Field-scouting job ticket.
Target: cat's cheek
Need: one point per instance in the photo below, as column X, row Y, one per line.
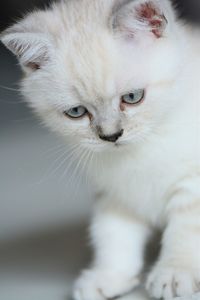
column 68, row 128
column 129, row 114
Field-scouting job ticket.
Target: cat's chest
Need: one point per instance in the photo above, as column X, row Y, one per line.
column 143, row 183
column 140, row 187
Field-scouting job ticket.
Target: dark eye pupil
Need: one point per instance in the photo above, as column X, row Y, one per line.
column 75, row 109
column 131, row 96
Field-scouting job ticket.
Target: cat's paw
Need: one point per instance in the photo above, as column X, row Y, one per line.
column 168, row 282
column 101, row 285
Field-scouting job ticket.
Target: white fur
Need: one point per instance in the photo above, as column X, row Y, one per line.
column 152, row 178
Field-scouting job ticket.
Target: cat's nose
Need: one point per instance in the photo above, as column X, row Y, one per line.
column 113, row 137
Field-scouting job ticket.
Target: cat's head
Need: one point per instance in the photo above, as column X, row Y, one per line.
column 99, row 72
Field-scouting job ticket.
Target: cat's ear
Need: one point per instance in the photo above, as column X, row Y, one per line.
column 132, row 17
column 31, row 48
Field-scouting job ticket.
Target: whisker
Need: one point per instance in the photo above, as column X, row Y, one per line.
column 68, row 157
column 31, row 118
column 53, row 151
column 9, row 88
column 90, row 161
column 80, row 168
column 51, row 170
column 73, row 158
column 77, row 166
column 85, row 163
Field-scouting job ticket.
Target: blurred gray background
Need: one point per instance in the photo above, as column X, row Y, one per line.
column 43, row 241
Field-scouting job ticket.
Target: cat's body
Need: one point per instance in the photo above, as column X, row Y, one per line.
column 87, row 55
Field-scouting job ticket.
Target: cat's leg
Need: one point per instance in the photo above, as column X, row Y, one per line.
column 177, row 272
column 119, row 243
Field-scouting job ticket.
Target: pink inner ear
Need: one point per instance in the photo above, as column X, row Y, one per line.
column 150, row 14
column 147, row 11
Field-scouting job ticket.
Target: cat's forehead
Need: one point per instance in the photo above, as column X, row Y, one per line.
column 99, row 71
column 90, row 68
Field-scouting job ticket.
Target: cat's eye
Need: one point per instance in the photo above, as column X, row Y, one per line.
column 134, row 97
column 76, row 112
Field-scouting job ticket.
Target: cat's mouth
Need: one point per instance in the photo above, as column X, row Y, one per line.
column 105, row 146
column 115, row 146
column 118, row 144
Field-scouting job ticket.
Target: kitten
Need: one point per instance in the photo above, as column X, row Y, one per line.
column 121, row 79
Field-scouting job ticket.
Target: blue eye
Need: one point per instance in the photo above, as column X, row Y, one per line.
column 76, row 112
column 134, row 97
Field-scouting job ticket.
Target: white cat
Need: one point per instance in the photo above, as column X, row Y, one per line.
column 121, row 78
